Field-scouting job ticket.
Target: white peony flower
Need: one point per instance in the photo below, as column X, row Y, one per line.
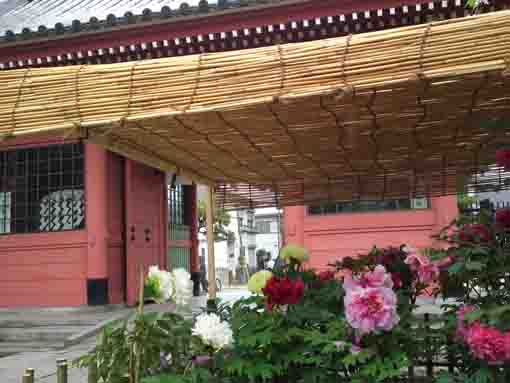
column 213, row 331
column 183, row 286
column 165, row 281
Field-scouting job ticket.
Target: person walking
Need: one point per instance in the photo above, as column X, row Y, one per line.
column 203, row 275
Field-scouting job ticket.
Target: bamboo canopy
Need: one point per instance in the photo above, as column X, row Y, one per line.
column 386, row 114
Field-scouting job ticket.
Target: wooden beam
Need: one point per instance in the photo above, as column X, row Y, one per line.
column 210, row 243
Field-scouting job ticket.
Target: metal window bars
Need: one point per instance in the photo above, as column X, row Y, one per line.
column 42, row 189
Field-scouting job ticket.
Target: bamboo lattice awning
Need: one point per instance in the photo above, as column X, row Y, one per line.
column 387, row 114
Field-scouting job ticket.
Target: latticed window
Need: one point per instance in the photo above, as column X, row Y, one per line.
column 263, row 227
column 369, row 206
column 176, row 208
column 42, row 189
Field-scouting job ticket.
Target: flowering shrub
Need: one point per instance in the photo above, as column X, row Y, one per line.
column 283, row 291
column 163, row 286
column 353, row 323
column 477, row 267
column 503, row 158
column 258, row 281
column 159, row 285
column 213, row 331
column 370, row 303
column 294, row 253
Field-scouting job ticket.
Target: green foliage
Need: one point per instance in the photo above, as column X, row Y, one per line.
column 156, row 336
column 465, row 201
column 220, row 224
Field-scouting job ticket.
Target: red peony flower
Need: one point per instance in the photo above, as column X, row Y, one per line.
column 326, row 275
column 283, row 291
column 503, row 158
column 486, row 343
column 503, row 218
column 397, row 280
column 475, row 233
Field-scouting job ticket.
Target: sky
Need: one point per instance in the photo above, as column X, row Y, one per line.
column 18, row 14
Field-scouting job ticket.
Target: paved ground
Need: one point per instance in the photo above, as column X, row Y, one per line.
column 44, row 362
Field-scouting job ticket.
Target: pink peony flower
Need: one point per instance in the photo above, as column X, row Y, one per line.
column 462, row 326
column 371, row 309
column 503, row 158
column 376, row 278
column 428, row 272
column 503, row 218
column 487, row 343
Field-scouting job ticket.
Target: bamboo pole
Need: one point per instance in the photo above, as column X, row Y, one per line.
column 31, row 373
column 62, row 371
column 211, row 264
column 92, row 373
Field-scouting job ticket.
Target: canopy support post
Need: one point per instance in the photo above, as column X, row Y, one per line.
column 211, row 271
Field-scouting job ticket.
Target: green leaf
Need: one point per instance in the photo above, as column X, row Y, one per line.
column 455, row 268
column 444, row 377
column 474, row 266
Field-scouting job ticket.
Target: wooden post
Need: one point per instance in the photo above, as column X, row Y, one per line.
column 31, row 373
column 210, row 243
column 92, row 377
column 61, row 371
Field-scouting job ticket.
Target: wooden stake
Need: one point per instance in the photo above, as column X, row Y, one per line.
column 62, row 371
column 31, row 373
column 210, row 243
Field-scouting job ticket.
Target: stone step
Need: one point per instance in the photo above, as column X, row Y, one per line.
column 38, row 334
column 49, row 322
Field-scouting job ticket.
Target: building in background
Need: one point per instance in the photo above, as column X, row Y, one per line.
column 335, row 230
column 238, row 250
column 268, row 232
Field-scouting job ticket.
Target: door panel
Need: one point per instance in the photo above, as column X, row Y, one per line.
column 144, row 195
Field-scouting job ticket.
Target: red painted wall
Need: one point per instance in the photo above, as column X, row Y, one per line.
column 46, row 269
column 331, row 237
column 51, row 269
column 43, row 269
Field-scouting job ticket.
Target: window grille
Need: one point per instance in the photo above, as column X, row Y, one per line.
column 176, row 209
column 263, row 227
column 42, row 189
column 369, row 206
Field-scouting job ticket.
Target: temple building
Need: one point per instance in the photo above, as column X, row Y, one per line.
column 78, row 222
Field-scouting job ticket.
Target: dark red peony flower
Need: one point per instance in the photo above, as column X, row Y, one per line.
column 390, row 256
column 283, row 291
column 326, row 275
column 503, row 218
column 475, row 233
column 397, row 280
column 503, row 158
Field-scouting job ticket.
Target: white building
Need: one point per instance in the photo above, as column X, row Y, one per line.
column 268, row 223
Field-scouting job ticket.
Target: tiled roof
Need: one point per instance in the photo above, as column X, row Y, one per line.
column 37, row 18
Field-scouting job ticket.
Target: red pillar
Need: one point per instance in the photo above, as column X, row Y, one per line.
column 96, row 180
column 294, row 225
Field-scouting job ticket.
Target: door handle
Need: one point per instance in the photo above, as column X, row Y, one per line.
column 147, row 232
column 132, row 229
